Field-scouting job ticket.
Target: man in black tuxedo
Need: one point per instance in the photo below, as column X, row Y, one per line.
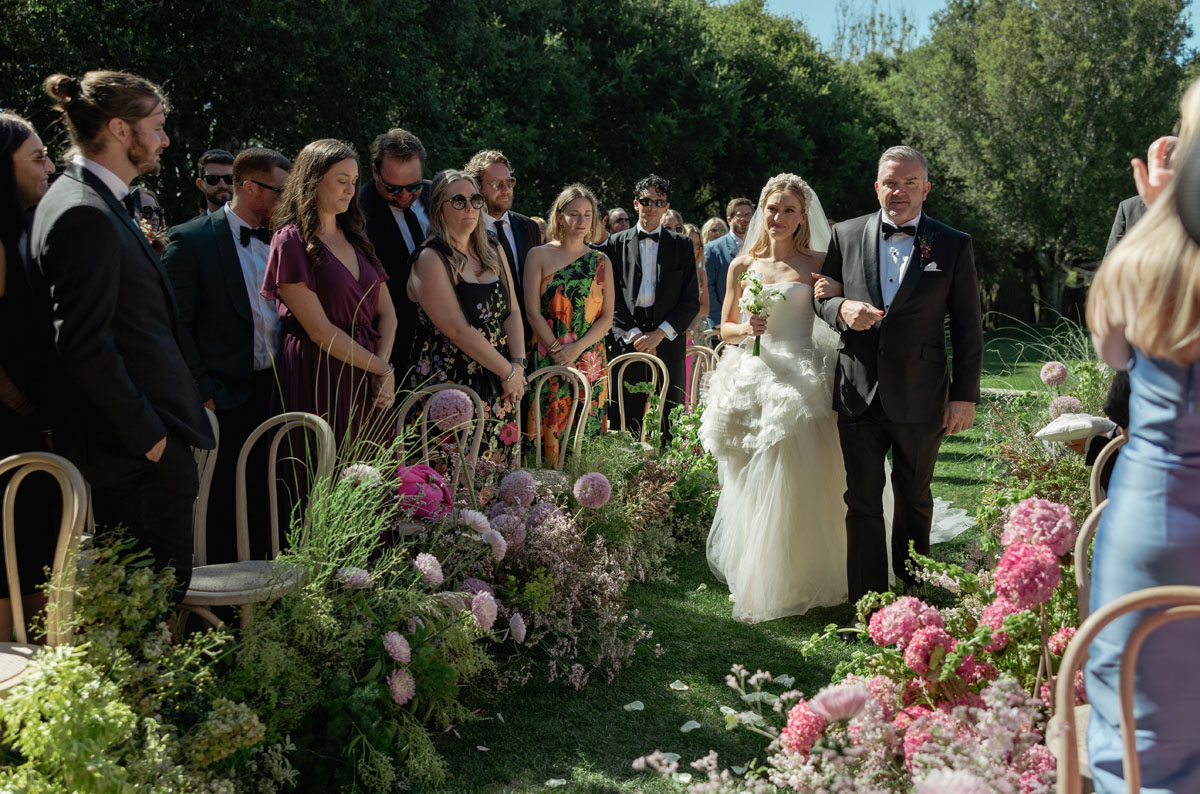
column 129, row 407
column 395, row 201
column 1131, row 210
column 903, row 274
column 215, row 181
column 229, row 331
column 658, row 295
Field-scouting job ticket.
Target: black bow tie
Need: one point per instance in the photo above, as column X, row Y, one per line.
column 133, row 203
column 262, row 232
column 889, row 230
column 648, row 236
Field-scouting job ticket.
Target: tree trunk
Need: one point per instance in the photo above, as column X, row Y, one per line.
column 1052, row 279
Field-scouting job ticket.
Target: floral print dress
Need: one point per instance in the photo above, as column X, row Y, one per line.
column 570, row 304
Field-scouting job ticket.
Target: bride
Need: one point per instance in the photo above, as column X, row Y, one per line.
column 779, row 536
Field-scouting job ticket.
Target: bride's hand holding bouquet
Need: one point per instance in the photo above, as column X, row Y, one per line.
column 757, row 300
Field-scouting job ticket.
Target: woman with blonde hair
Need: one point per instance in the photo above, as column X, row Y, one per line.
column 569, row 299
column 713, row 229
column 1144, row 315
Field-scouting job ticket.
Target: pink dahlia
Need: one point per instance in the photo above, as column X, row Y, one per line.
column 518, row 488
column 477, row 521
column 896, row 623
column 1054, row 373
column 1064, row 404
column 516, row 624
column 450, row 409
column 483, row 608
column 593, row 490
column 1041, row 522
column 497, row 542
column 397, row 647
column 1060, row 639
column 952, row 781
column 839, row 702
column 430, row 568
column 993, row 617
column 804, row 727
column 402, row 685
column 922, row 651
column 1027, row 574
column 350, row 576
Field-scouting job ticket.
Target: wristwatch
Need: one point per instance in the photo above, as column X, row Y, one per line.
column 524, row 364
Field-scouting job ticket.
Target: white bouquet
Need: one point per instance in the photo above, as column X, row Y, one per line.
column 758, row 299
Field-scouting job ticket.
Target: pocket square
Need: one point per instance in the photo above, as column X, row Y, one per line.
column 932, row 267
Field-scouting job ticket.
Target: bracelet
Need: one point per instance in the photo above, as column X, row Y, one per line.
column 511, row 373
column 557, row 346
column 391, row 368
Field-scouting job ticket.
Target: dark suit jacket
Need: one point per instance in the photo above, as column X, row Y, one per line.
column 216, row 325
column 717, row 256
column 904, row 356
column 677, row 294
column 123, row 377
column 527, row 236
column 1129, row 212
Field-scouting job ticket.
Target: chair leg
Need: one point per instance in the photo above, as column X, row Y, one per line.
column 247, row 615
column 204, row 613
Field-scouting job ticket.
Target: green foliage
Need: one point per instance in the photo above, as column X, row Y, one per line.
column 696, row 486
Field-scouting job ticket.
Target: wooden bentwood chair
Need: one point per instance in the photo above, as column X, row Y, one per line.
column 659, row 379
column 575, row 416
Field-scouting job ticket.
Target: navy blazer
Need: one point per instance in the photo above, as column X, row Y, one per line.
column 717, row 256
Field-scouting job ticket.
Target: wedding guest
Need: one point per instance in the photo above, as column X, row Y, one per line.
column 516, row 233
column 699, row 325
column 25, row 169
column 129, row 411
column 1131, row 210
column 602, row 232
column 541, row 224
column 468, row 325
column 673, row 221
column 720, row 252
column 569, row 298
column 395, row 202
column 336, row 317
column 713, row 229
column 654, row 271
column 228, row 331
column 1143, row 311
column 152, row 211
column 618, row 220
column 216, row 179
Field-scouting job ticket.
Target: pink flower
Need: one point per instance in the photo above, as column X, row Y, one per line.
column 473, row 586
column 952, row 781
column 922, row 652
column 882, row 689
column 497, row 542
column 1027, row 574
column 896, row 623
column 402, row 685
column 430, row 568
column 518, row 488
column 1041, row 522
column 1060, row 639
column 516, row 624
column 350, row 576
column 358, row 474
column 1064, row 404
column 483, row 608
column 1054, row 373
column 1038, row 768
column 803, row 729
column 541, row 512
column 993, row 617
column 397, row 647
column 450, row 409
column 474, row 519
column 930, row 728
column 591, row 365
column 1080, row 689
column 508, row 434
column 513, row 530
column 593, row 490
column 839, row 702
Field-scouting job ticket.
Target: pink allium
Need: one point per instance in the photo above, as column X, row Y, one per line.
column 1054, row 373
column 430, row 568
column 993, row 617
column 839, row 702
column 593, row 490
column 450, row 409
column 518, row 488
column 804, row 727
column 896, row 623
column 540, row 512
column 1038, row 768
column 358, row 474
column 473, row 586
column 920, row 653
column 952, row 781
column 402, row 685
column 516, row 624
column 1041, row 522
column 1064, row 404
column 477, row 521
column 350, row 576
column 513, row 530
column 500, row 509
column 1060, row 639
column 497, row 542
column 483, row 608
column 397, row 647
column 1027, row 574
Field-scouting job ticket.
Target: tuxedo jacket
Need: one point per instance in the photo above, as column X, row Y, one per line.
column 1129, row 212
column 216, row 324
column 676, row 295
column 717, row 256
column 527, row 236
column 122, row 379
column 903, row 358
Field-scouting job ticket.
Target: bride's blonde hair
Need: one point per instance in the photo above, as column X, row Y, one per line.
column 1149, row 286
column 782, row 183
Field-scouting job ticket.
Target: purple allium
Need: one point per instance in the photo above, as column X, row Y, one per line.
column 497, row 542
column 500, row 509
column 402, row 685
column 474, row 519
column 357, row 474
column 593, row 490
column 1027, row 574
column 397, row 647
column 516, row 624
column 839, row 702
column 1054, row 373
column 518, row 488
column 473, row 585
column 430, row 568
column 540, row 512
column 450, row 409
column 1065, row 404
column 483, row 607
column 350, row 576
column 1043, row 523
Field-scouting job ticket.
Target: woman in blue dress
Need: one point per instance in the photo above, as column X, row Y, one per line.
column 1144, row 313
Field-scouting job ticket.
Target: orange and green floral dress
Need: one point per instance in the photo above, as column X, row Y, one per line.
column 570, row 304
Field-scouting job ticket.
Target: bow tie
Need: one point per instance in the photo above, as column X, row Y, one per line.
column 648, row 236
column 262, row 232
column 889, row 230
column 133, row 203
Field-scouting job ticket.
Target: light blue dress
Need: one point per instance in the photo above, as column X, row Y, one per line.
column 1150, row 535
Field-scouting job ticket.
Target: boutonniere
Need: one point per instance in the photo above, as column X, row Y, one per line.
column 157, row 239
column 926, row 249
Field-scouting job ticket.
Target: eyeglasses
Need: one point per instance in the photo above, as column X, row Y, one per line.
column 150, row 211
column 646, row 201
column 396, row 190
column 496, row 184
column 676, row 229
column 214, row 179
column 619, row 219
column 742, row 215
column 459, row 201
column 265, row 185
column 38, row 157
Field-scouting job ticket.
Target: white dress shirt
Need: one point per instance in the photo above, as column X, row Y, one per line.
column 113, row 182
column 894, row 256
column 422, row 218
column 508, row 232
column 253, row 259
column 648, row 256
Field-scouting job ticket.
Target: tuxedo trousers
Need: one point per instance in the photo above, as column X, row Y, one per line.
column 866, row 441
column 637, row 372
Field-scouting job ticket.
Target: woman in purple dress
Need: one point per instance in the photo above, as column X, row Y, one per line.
column 338, row 322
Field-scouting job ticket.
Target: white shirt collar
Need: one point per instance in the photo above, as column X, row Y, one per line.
column 915, row 222
column 113, row 182
column 235, row 220
column 736, row 239
column 641, row 228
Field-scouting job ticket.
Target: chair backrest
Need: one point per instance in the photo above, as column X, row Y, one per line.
column 659, row 378
column 577, row 413
column 1175, row 602
column 70, row 528
column 1083, row 563
column 468, row 436
column 206, row 462
column 711, row 338
column 320, row 469
column 1101, row 461
column 703, row 360
column 721, row 348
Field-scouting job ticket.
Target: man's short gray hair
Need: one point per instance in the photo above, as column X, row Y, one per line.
column 903, row 153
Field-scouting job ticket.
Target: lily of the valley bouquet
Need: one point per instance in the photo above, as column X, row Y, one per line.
column 758, row 299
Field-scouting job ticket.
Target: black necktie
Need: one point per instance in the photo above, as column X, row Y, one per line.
column 648, row 236
column 503, row 239
column 414, row 226
column 133, row 203
column 261, row 232
column 889, row 230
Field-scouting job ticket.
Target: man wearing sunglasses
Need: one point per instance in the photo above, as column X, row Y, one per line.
column 395, row 202
column 216, row 179
column 658, row 295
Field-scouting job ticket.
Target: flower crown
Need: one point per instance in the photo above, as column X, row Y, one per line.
column 779, row 180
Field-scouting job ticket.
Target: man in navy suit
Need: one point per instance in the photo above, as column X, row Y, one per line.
column 720, row 252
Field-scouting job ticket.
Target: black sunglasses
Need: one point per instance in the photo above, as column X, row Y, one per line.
column 646, row 201
column 151, row 211
column 459, row 201
column 213, row 179
column 264, row 184
column 396, row 190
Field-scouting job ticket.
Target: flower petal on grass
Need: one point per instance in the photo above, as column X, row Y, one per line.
column 670, row 758
column 683, row 777
column 482, row 749
column 636, row 705
column 727, row 710
column 785, row 680
column 678, row 685
column 555, row 782
column 702, row 587
column 689, row 726
column 738, row 770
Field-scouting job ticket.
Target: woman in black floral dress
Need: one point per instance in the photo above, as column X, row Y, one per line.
column 469, row 323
